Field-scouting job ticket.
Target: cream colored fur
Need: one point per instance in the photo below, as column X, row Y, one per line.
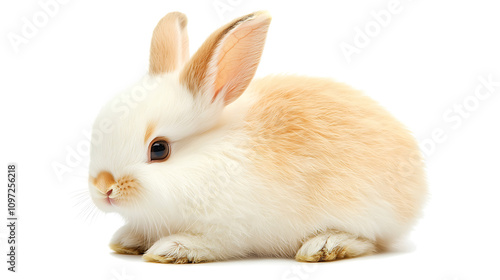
column 295, row 166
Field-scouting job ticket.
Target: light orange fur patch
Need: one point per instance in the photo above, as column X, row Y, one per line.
column 332, row 146
column 149, row 131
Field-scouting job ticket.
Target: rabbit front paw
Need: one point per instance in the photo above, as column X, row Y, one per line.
column 180, row 248
column 128, row 242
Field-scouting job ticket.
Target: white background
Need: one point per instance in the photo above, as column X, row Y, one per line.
column 426, row 62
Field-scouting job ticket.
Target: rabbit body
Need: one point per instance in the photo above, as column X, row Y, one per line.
column 295, row 166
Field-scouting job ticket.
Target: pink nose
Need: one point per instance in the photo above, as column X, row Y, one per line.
column 109, row 192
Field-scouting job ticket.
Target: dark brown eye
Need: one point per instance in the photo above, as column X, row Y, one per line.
column 159, row 150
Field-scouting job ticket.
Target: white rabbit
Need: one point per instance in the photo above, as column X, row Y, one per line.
column 206, row 164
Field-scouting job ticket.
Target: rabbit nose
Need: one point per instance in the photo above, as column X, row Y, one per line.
column 104, row 181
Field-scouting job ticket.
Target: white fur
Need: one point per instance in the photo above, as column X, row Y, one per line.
column 207, row 202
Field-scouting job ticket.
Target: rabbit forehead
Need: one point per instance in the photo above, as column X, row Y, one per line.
column 155, row 106
column 167, row 106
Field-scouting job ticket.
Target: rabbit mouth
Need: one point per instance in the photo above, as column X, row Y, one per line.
column 110, row 201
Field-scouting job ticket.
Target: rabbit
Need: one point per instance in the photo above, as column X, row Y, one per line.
column 205, row 163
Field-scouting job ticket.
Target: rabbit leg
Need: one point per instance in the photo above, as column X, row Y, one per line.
column 333, row 245
column 127, row 241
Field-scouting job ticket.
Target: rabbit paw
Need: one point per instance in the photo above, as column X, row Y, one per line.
column 179, row 249
column 127, row 242
column 334, row 245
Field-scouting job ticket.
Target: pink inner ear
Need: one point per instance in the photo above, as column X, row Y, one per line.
column 238, row 59
column 231, row 54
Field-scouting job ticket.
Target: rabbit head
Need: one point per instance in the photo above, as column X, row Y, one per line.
column 147, row 140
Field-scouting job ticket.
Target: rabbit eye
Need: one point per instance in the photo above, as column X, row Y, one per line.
column 159, row 150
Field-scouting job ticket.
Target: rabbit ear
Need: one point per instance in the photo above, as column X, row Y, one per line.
column 226, row 63
column 170, row 44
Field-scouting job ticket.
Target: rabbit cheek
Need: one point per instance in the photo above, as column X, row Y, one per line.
column 124, row 191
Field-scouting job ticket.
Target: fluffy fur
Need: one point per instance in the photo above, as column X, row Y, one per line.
column 296, row 166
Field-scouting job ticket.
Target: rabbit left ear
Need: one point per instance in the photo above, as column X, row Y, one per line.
column 169, row 45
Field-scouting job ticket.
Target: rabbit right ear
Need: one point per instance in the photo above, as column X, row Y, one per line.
column 169, row 45
column 225, row 64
